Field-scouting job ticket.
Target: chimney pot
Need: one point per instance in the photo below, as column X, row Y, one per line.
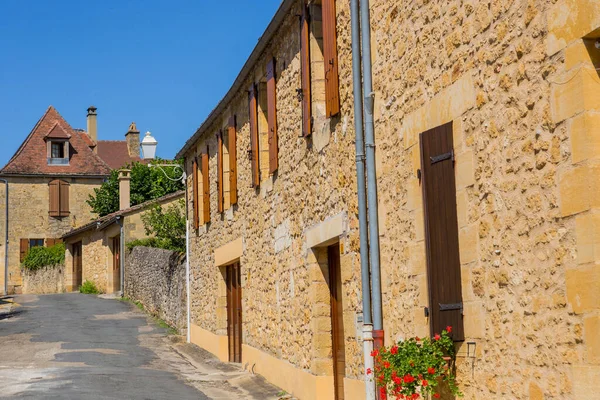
column 133, row 141
column 124, row 189
column 92, row 125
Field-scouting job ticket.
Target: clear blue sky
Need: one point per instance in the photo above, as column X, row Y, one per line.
column 162, row 64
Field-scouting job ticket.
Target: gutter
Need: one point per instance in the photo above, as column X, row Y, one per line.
column 6, row 239
column 187, row 264
column 277, row 20
column 121, row 253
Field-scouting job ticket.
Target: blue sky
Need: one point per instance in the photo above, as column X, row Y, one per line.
column 162, row 64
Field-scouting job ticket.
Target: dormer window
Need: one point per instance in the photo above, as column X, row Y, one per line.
column 58, row 146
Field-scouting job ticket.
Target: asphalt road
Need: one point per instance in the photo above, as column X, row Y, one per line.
column 74, row 346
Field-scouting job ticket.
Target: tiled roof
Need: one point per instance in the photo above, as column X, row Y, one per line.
column 57, row 133
column 115, row 153
column 31, row 157
column 103, row 222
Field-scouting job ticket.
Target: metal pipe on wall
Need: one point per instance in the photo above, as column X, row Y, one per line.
column 122, row 253
column 187, row 256
column 369, row 99
column 6, row 239
column 362, row 201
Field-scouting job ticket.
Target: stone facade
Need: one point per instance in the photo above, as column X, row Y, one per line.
column 46, row 280
column 29, row 218
column 519, row 82
column 156, row 278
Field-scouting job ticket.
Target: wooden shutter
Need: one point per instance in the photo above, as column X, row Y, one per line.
column 195, row 192
column 305, row 72
column 54, row 188
column 50, row 242
column 64, row 198
column 272, row 116
column 23, row 248
column 220, row 197
column 254, row 161
column 441, row 231
column 205, row 188
column 332, row 93
column 232, row 161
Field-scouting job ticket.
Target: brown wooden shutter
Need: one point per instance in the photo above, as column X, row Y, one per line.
column 332, row 92
column 205, row 188
column 195, row 192
column 64, row 198
column 54, row 188
column 50, row 242
column 441, row 231
column 305, row 72
column 220, row 197
column 254, row 161
column 232, row 161
column 272, row 116
column 23, row 249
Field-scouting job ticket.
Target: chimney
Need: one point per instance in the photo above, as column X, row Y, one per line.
column 92, row 125
column 133, row 140
column 124, row 189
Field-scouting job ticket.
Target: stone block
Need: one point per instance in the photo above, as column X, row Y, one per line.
column 322, row 367
column 321, row 324
column 579, row 92
column 468, row 239
column 583, row 288
column 581, row 52
column 419, row 224
column 421, row 322
column 579, row 188
column 322, row 345
column 319, row 292
column 591, row 328
column 588, row 237
column 570, row 20
column 465, row 169
column 462, row 208
column 423, row 290
column 417, row 262
column 535, row 392
column 585, row 382
column 585, row 136
column 474, row 319
column 414, row 194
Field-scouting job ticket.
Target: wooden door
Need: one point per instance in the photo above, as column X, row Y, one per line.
column 77, row 265
column 441, row 231
column 116, row 242
column 337, row 320
column 234, row 312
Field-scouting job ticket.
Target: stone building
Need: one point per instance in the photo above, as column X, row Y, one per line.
column 50, row 178
column 503, row 97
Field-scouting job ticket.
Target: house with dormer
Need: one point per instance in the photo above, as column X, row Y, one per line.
column 50, row 179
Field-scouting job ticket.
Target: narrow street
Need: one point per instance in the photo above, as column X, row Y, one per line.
column 73, row 346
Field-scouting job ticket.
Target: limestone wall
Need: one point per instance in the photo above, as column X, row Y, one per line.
column 29, row 219
column 156, row 278
column 46, row 280
column 520, row 86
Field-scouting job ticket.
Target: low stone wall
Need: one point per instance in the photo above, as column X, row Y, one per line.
column 156, row 278
column 46, row 280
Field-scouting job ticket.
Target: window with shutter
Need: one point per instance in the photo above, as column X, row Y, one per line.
column 220, row 197
column 305, row 72
column 205, row 189
column 59, row 199
column 441, row 231
column 272, row 116
column 23, row 249
column 195, row 193
column 232, row 160
column 332, row 97
column 253, row 112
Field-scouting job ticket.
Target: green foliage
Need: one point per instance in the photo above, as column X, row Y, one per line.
column 146, row 184
column 38, row 257
column 415, row 367
column 89, row 287
column 167, row 226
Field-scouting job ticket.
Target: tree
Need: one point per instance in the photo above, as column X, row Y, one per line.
column 146, row 184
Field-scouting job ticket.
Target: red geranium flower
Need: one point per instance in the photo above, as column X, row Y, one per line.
column 369, row 371
column 408, row 378
column 394, row 350
column 424, row 382
column 431, row 370
column 382, row 393
column 437, row 337
column 448, row 329
column 397, row 380
column 386, row 364
column 417, row 338
column 374, row 353
column 436, row 395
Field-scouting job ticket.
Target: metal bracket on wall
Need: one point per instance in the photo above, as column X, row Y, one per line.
column 442, row 157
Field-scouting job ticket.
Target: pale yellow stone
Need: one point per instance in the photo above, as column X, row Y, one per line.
column 583, row 288
column 585, row 382
column 465, row 169
column 585, row 136
column 588, row 237
column 570, row 20
column 581, row 52
column 577, row 90
column 579, row 188
column 591, row 327
column 474, row 319
column 468, row 239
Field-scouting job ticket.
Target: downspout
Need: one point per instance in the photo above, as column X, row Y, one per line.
column 365, row 24
column 187, row 259
column 122, row 253
column 362, row 203
column 6, row 239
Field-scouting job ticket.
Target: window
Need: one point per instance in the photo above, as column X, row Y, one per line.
column 272, row 116
column 26, row 244
column 36, row 243
column 254, row 154
column 195, row 184
column 58, row 152
column 205, row 188
column 220, row 188
column 59, row 199
column 231, row 139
